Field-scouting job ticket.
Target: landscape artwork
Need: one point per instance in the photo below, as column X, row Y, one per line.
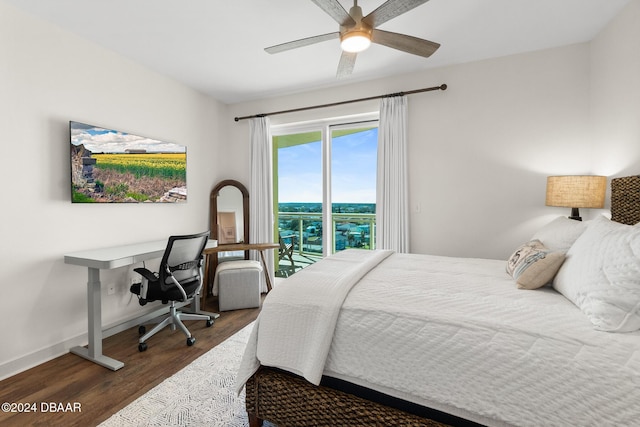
column 110, row 166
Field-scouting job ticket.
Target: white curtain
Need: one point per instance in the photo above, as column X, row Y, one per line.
column 260, row 192
column 392, row 215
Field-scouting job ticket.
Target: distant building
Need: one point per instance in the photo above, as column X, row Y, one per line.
column 135, row 151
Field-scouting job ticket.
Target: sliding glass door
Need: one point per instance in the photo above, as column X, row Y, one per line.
column 324, row 191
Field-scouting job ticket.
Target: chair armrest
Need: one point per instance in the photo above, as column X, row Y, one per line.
column 147, row 274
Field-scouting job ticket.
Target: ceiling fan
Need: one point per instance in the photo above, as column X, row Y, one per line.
column 358, row 32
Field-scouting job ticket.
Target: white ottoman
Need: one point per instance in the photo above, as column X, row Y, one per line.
column 238, row 284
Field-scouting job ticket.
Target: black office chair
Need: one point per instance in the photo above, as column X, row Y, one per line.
column 179, row 279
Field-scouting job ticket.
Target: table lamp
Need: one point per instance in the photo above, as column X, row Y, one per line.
column 576, row 191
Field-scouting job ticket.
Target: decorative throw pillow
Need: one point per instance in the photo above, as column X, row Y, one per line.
column 601, row 275
column 533, row 265
column 561, row 233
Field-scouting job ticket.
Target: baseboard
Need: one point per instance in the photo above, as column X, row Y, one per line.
column 38, row 357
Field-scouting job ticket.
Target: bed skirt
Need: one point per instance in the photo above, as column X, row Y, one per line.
column 288, row 400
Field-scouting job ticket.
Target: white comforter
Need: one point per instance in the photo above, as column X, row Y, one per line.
column 457, row 335
column 297, row 320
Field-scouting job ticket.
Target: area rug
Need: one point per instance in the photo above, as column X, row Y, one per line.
column 201, row 394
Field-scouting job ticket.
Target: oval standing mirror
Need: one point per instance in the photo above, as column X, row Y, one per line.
column 229, row 213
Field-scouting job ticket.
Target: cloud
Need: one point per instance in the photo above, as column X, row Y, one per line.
column 100, row 140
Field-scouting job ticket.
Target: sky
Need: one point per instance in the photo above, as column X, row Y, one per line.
column 100, row 140
column 353, row 167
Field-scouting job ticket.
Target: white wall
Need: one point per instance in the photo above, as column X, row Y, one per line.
column 615, row 94
column 481, row 150
column 48, row 77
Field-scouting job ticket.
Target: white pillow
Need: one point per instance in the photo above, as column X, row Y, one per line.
column 601, row 275
column 559, row 234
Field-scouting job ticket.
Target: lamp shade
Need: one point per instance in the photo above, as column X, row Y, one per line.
column 576, row 191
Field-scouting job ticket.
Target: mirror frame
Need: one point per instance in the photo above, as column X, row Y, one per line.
column 213, row 208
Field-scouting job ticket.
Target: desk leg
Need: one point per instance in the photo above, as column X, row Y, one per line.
column 266, row 270
column 204, row 292
column 93, row 352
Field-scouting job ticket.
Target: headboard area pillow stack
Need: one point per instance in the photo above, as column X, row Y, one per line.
column 600, row 267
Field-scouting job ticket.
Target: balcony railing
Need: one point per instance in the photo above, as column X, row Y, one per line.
column 349, row 230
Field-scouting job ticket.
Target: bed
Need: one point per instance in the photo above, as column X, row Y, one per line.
column 550, row 337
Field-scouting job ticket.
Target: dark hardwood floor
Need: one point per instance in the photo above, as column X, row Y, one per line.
column 98, row 392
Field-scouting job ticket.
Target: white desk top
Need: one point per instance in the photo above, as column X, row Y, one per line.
column 120, row 256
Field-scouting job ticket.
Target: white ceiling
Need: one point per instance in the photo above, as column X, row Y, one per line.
column 216, row 46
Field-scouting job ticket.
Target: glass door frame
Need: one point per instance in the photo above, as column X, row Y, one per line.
column 324, row 126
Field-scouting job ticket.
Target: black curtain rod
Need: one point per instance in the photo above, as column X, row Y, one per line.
column 333, row 104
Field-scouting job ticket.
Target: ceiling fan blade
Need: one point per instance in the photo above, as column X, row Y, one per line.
column 389, row 10
column 302, row 42
column 404, row 43
column 345, row 66
column 334, row 9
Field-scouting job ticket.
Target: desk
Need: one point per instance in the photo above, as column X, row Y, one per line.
column 107, row 259
column 260, row 247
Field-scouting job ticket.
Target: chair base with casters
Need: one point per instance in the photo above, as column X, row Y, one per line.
column 173, row 319
column 238, row 284
column 179, row 280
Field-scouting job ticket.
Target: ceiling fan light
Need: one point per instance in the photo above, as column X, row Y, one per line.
column 355, row 41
